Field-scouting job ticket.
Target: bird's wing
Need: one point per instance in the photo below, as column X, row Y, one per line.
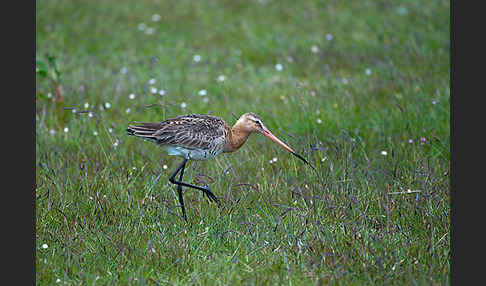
column 192, row 131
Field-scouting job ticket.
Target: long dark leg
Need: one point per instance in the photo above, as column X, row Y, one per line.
column 179, row 191
column 180, row 184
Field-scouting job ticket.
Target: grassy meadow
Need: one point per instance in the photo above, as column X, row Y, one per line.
column 359, row 88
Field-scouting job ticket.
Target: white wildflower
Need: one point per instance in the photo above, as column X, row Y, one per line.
column 142, row 26
column 155, row 17
column 149, row 31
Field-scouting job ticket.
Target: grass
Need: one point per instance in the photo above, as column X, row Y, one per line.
column 379, row 78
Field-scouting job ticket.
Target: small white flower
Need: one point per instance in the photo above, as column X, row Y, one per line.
column 278, row 67
column 329, row 37
column 66, row 130
column 110, row 130
column 274, row 159
column 196, row 58
column 49, row 95
column 90, row 114
column 131, row 96
column 314, row 49
column 86, row 105
column 368, row 71
column 319, row 121
column 313, row 93
column 202, row 92
column 95, row 133
column 402, row 10
column 162, row 92
column 149, row 31
column 410, row 141
column 52, row 132
column 142, row 26
column 345, row 81
column 107, row 105
column 45, row 246
column 221, row 78
column 384, row 153
column 114, row 145
column 434, row 102
column 127, row 110
column 155, row 17
column 58, row 280
column 183, row 105
column 152, row 81
column 153, row 90
column 74, row 110
column 164, row 167
column 205, row 99
column 123, row 70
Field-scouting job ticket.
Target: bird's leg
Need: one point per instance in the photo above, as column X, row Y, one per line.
column 179, row 183
column 179, row 191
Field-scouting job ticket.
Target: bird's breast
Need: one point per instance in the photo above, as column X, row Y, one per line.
column 195, row 154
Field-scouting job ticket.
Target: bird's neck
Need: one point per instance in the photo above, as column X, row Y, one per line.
column 237, row 137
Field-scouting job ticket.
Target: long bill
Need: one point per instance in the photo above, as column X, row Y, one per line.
column 269, row 134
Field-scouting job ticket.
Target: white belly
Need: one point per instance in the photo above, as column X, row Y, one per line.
column 189, row 154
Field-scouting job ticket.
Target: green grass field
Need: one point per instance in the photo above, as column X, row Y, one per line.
column 359, row 88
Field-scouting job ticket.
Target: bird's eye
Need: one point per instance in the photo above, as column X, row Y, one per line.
column 259, row 123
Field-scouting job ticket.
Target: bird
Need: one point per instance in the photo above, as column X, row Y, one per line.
column 201, row 137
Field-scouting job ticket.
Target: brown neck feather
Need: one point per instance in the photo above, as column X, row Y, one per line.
column 237, row 136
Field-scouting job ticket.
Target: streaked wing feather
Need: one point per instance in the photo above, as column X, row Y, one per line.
column 192, row 131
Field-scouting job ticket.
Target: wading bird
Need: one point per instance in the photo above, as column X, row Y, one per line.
column 201, row 137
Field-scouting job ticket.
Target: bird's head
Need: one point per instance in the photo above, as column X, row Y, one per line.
column 251, row 122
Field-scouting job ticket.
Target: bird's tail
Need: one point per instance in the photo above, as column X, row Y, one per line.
column 144, row 130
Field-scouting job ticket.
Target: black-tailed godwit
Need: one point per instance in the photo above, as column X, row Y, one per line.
column 201, row 137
